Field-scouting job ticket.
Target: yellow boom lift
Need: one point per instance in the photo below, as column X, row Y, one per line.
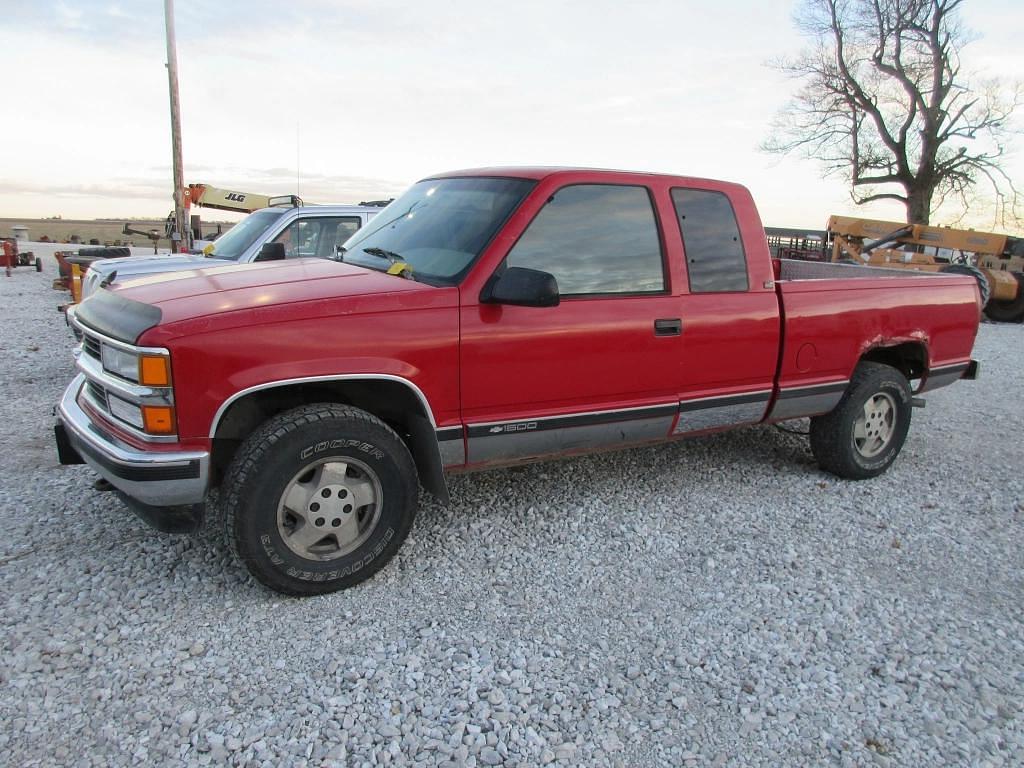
column 996, row 261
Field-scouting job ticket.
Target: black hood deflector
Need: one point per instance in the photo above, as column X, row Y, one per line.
column 117, row 317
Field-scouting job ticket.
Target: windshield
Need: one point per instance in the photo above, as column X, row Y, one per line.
column 236, row 240
column 438, row 227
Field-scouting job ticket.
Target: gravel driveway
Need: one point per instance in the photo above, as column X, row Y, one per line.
column 715, row 602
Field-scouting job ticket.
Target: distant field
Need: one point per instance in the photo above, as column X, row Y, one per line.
column 107, row 231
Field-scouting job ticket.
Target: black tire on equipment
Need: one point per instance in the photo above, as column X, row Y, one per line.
column 966, row 269
column 260, row 474
column 832, row 435
column 39, row 264
column 1011, row 311
column 111, row 252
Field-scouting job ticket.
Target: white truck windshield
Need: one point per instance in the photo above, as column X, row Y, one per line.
column 236, row 240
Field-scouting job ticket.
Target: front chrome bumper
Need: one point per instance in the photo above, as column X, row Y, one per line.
column 154, row 478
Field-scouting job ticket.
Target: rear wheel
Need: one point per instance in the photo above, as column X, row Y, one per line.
column 862, row 436
column 319, row 499
column 1010, row 311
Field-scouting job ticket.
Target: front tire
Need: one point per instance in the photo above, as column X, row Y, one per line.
column 862, row 436
column 319, row 499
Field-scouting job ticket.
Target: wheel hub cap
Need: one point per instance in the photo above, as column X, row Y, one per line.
column 874, row 428
column 329, row 508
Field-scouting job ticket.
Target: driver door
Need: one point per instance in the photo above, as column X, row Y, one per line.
column 602, row 367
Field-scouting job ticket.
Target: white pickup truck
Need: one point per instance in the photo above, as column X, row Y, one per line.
column 311, row 230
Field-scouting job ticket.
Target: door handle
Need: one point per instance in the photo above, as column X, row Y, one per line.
column 668, row 327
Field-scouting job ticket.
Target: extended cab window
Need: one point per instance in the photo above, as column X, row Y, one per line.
column 595, row 238
column 715, row 259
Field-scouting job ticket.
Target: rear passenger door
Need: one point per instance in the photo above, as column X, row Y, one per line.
column 731, row 329
column 602, row 367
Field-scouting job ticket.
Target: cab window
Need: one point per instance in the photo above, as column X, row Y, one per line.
column 715, row 261
column 595, row 239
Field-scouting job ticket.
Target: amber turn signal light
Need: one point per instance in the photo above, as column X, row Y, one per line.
column 158, row 419
column 154, row 371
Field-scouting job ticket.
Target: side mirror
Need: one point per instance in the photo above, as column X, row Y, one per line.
column 524, row 288
column 271, row 252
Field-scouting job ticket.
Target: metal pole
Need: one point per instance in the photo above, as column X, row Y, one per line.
column 179, row 178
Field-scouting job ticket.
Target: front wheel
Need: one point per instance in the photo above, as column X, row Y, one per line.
column 319, row 499
column 865, row 432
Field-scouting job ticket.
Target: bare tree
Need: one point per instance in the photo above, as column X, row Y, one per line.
column 883, row 102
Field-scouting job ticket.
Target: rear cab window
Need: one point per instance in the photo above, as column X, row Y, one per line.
column 715, row 259
column 596, row 239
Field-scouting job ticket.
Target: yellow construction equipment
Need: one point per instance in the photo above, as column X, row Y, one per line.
column 996, row 261
column 206, row 196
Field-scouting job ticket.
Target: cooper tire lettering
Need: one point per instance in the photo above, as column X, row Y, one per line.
column 372, row 450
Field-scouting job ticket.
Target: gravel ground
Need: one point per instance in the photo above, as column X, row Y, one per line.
column 715, row 602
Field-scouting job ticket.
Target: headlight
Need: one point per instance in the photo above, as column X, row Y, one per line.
column 150, row 370
column 121, row 363
column 122, row 409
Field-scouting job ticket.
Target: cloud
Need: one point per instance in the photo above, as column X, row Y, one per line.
column 320, row 188
column 388, row 91
column 70, row 18
column 134, row 189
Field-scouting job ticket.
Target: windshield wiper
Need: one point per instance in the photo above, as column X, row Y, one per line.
column 398, row 264
column 394, row 258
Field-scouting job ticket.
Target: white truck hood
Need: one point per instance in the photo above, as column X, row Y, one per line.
column 138, row 266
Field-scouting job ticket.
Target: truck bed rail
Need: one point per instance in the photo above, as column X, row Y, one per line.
column 792, row 269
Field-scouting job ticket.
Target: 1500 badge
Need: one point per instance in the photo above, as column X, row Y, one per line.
column 521, row 426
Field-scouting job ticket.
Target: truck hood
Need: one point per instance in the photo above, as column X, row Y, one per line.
column 135, row 266
column 195, row 293
column 157, row 262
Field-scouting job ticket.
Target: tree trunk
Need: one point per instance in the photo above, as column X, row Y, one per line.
column 919, row 205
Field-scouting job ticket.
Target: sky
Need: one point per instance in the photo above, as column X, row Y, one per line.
column 348, row 100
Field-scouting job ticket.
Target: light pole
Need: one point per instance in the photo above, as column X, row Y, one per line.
column 180, row 228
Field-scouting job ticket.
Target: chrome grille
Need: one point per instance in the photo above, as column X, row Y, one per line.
column 91, row 346
column 98, row 394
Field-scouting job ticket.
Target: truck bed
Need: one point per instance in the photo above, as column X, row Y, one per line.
column 833, row 314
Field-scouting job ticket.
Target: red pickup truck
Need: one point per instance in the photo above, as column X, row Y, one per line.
column 484, row 318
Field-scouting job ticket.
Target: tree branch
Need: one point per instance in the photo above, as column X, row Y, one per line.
column 879, row 196
column 883, row 102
